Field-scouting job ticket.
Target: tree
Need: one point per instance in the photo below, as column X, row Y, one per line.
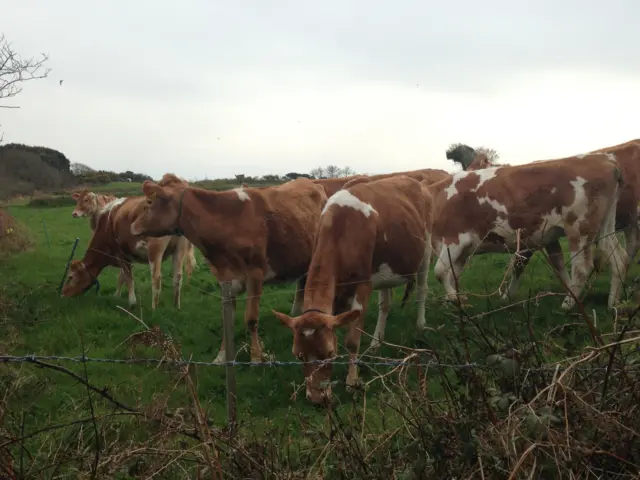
column 15, row 70
column 347, row 172
column 81, row 169
column 332, row 171
column 317, row 172
column 464, row 154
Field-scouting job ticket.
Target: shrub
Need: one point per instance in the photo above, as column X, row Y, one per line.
column 52, row 201
column 14, row 236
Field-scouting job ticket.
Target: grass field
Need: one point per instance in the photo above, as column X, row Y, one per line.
column 37, row 320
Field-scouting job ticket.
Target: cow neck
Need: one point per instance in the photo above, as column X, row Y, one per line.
column 320, row 287
column 100, row 252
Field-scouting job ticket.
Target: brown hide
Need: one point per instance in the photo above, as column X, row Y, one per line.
column 363, row 227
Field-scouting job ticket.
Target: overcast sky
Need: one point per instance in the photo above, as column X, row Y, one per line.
column 213, row 88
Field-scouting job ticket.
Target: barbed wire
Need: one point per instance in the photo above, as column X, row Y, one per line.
column 33, row 358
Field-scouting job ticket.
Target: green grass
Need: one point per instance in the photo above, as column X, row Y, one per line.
column 47, row 324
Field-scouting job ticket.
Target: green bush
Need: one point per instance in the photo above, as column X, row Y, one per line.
column 52, row 201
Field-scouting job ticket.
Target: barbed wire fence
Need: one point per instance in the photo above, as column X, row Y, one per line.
column 414, row 358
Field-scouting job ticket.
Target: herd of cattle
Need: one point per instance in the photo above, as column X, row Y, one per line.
column 342, row 238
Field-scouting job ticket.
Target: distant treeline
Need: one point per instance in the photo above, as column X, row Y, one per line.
column 30, row 171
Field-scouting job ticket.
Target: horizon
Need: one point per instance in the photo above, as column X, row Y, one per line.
column 216, row 90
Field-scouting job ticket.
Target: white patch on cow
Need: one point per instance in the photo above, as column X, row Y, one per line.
column 355, row 304
column 497, row 206
column 451, row 189
column 386, row 278
column 112, row 204
column 611, row 157
column 142, row 247
column 307, row 332
column 553, row 190
column 580, row 202
column 269, row 274
column 242, row 195
column 485, row 175
column 344, row 198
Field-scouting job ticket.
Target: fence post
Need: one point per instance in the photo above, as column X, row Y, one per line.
column 64, row 275
column 228, row 323
column 46, row 235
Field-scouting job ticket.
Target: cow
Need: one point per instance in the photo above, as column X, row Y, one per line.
column 113, row 245
column 530, row 206
column 371, row 235
column 89, row 204
column 249, row 236
column 628, row 157
column 430, row 175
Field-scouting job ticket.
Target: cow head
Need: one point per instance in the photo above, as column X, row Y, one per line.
column 86, row 204
column 314, row 339
column 160, row 214
column 78, row 281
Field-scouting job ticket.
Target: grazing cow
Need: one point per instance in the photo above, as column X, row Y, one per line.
column 500, row 208
column 89, row 204
column 249, row 236
column 371, row 236
column 113, row 245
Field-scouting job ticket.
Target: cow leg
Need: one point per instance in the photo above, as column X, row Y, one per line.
column 521, row 261
column 155, row 266
column 447, row 271
column 296, row 308
column 127, row 272
column 252, row 310
column 422, row 277
column 352, row 338
column 119, row 283
column 632, row 241
column 609, row 245
column 179, row 256
column 384, row 301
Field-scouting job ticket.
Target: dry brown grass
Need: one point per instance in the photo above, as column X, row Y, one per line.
column 14, row 236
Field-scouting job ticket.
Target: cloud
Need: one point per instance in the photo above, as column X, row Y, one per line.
column 215, row 89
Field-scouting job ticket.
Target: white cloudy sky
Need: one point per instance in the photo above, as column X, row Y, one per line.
column 212, row 88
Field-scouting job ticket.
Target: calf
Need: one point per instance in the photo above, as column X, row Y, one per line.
column 483, row 211
column 371, row 236
column 249, row 236
column 113, row 245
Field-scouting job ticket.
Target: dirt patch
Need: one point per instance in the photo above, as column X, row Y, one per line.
column 14, row 236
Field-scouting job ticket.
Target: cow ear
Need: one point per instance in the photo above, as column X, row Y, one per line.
column 286, row 320
column 75, row 195
column 151, row 190
column 345, row 318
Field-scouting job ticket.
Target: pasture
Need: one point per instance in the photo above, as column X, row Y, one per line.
column 36, row 320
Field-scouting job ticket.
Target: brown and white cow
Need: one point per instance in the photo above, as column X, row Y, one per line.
column 628, row 157
column 249, row 236
column 372, row 235
column 483, row 211
column 113, row 245
column 89, row 204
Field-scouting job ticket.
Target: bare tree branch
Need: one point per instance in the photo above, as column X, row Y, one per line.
column 14, row 70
